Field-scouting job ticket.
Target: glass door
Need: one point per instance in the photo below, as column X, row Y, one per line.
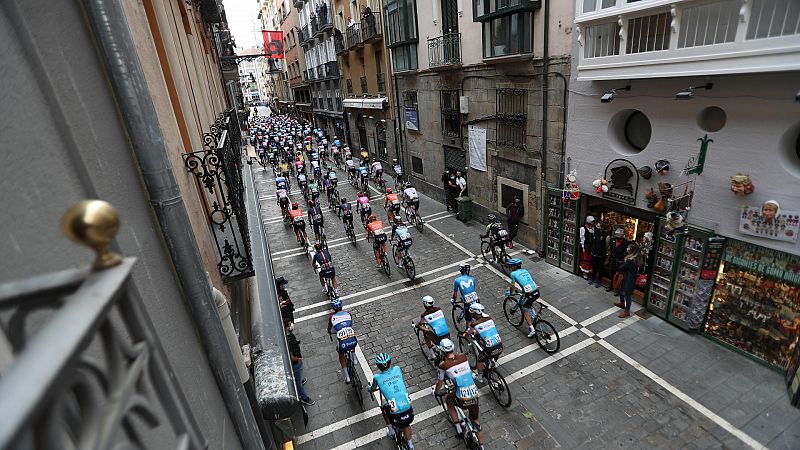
column 663, row 271
column 552, row 254
column 569, row 228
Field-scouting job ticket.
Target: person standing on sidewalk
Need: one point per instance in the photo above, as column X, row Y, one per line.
column 619, row 248
column 454, row 190
column 461, row 182
column 297, row 362
column 629, row 268
column 598, row 250
column 586, row 236
column 446, row 188
column 514, row 213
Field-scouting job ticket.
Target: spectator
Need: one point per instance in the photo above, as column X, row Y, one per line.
column 619, row 248
column 598, row 250
column 461, row 182
column 286, row 304
column 514, row 214
column 629, row 268
column 454, row 190
column 446, row 188
column 297, row 361
column 587, row 239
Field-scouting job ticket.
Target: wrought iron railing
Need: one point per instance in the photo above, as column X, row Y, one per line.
column 371, row 26
column 381, row 83
column 338, row 42
column 354, row 35
column 363, row 85
column 308, row 35
column 332, row 69
column 94, row 375
column 218, row 171
column 349, row 84
column 444, row 50
column 511, row 117
column 322, row 20
column 301, row 35
column 314, row 25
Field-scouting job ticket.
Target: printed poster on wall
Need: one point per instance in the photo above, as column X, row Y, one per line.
column 477, row 148
column 769, row 223
column 412, row 119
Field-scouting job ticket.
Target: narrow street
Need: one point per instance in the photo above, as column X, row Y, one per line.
column 615, row 383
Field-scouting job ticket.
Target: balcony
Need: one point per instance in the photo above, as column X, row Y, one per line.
column 354, row 36
column 332, row 70
column 445, row 51
column 381, row 84
column 308, row 36
column 371, row 27
column 339, row 42
column 330, row 104
column 301, row 35
column 298, row 3
column 683, row 38
column 349, row 87
column 364, row 85
column 321, row 22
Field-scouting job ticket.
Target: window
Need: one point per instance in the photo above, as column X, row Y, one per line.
column 771, row 18
column 511, row 117
column 401, row 22
column 416, row 165
column 404, row 58
column 601, row 40
column 380, row 140
column 708, row 24
column 591, row 5
column 508, row 35
column 648, row 33
column 451, row 119
column 484, row 10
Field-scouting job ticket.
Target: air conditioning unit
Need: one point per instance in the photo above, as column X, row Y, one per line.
column 463, row 104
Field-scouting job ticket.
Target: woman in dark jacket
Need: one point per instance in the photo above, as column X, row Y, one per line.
column 628, row 269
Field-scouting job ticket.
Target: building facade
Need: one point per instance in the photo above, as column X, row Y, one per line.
column 499, row 70
column 253, row 75
column 687, row 113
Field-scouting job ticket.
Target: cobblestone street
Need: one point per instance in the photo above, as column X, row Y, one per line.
column 632, row 383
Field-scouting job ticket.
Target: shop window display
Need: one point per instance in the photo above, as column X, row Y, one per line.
column 756, row 303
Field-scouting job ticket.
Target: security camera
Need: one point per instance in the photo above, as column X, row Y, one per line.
column 608, row 96
column 684, row 95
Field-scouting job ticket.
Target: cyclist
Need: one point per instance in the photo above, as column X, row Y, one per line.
column 391, row 204
column 299, row 165
column 346, row 210
column 284, row 169
column 316, row 219
column 522, row 281
column 363, row 172
column 397, row 411
column 337, row 142
column 347, row 152
column 363, row 206
column 350, row 166
column 410, row 196
column 324, row 262
column 403, row 238
column 465, row 285
column 342, row 322
column 455, row 366
column 280, row 182
column 313, row 188
column 333, row 177
column 298, row 222
column 484, row 329
column 375, row 231
column 377, row 170
column 398, row 171
column 328, row 185
column 302, row 181
column 499, row 235
column 363, row 154
column 316, row 170
column 283, row 200
column 432, row 323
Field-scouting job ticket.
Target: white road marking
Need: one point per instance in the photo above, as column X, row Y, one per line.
column 362, row 361
column 452, row 242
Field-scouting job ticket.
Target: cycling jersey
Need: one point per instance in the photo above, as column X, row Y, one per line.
column 363, row 171
column 458, row 370
column 333, row 177
column 347, row 209
column 301, row 179
column 376, row 167
column 324, row 261
column 435, row 318
column 375, row 229
column 487, row 331
column 465, row 285
column 403, row 236
column 280, row 182
column 282, row 195
column 397, row 169
column 350, row 164
column 327, row 184
column 411, row 194
column 297, row 217
column 363, row 202
column 393, row 387
column 391, row 199
column 337, row 142
column 342, row 323
column 315, row 164
column 524, row 280
column 315, row 215
column 314, row 188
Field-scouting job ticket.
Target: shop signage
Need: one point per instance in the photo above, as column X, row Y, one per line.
column 765, row 261
column 623, row 181
column 412, row 119
column 769, row 223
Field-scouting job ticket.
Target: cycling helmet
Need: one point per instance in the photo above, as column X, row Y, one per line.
column 295, row 205
column 464, row 269
column 394, row 160
column 318, row 246
column 398, row 219
column 383, row 361
column 344, row 200
column 407, row 184
column 374, row 159
column 427, row 301
column 372, row 218
column 476, row 309
column 336, row 304
column 388, row 190
column 311, row 203
column 447, row 345
column 514, row 263
column 491, row 218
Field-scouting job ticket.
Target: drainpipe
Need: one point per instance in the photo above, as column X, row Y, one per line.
column 121, row 62
column 545, row 104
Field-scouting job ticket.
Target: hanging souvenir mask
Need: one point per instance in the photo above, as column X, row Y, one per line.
column 674, row 221
column 741, row 184
column 651, row 197
column 600, row 185
column 769, row 210
column 645, row 172
column 662, row 167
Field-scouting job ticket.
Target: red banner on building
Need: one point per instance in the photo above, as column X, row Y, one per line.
column 273, row 44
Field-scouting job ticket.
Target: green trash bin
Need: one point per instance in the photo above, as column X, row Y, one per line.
column 464, row 208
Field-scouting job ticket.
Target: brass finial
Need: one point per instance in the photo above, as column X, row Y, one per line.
column 93, row 223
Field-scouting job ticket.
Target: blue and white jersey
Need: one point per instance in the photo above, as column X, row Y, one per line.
column 524, row 279
column 333, row 177
column 437, row 322
column 363, row 171
column 342, row 324
column 301, row 178
column 280, row 182
column 393, row 388
column 487, row 332
column 465, row 284
column 458, row 370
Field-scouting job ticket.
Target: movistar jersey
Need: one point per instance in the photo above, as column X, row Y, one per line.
column 465, row 284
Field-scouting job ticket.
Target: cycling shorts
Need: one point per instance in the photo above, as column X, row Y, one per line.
column 378, row 173
column 283, row 201
column 379, row 239
column 346, row 345
column 404, row 244
column 399, row 420
column 414, row 203
column 529, row 300
column 493, row 352
column 471, row 406
column 393, row 207
column 299, row 224
column 347, row 215
column 327, row 273
column 317, row 227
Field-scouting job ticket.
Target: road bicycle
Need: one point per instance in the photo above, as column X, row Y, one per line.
column 399, row 436
column 495, row 253
column 402, row 258
column 470, row 431
column 349, row 231
column 383, row 259
column 352, row 178
column 364, row 185
column 432, row 354
column 473, row 349
column 287, row 219
column 381, row 183
column 334, row 200
column 350, row 358
column 413, row 218
column 545, row 333
column 323, row 239
column 458, row 311
column 304, row 242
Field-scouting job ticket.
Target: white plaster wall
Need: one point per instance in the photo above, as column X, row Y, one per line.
column 760, row 111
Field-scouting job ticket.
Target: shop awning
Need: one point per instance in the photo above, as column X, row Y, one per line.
column 365, row 103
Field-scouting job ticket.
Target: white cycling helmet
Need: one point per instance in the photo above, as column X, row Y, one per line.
column 447, row 345
column 427, row 301
column 476, row 309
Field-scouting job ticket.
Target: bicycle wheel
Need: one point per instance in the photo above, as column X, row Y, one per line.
column 513, row 311
column 423, row 347
column 355, row 381
column 467, row 349
column 499, row 387
column 418, row 221
column 411, row 270
column 547, row 336
column 385, row 264
column 394, row 254
column 458, row 317
column 352, row 235
column 486, row 250
column 409, row 215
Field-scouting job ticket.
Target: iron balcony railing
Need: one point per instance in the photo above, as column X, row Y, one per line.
column 332, row 69
column 314, row 25
column 354, row 35
column 94, row 374
column 444, row 50
column 371, row 26
column 308, row 35
column 363, row 85
column 381, row 83
column 301, row 35
column 338, row 42
column 218, row 169
column 322, row 21
column 349, row 83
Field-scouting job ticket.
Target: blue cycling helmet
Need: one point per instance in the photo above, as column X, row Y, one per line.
column 336, row 304
column 514, row 262
column 383, row 361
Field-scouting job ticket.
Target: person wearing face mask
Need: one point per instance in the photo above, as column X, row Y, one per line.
column 629, row 269
column 297, row 361
column 618, row 248
column 598, row 250
column 514, row 214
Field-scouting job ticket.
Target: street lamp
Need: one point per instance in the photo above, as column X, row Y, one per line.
column 689, row 93
column 612, row 94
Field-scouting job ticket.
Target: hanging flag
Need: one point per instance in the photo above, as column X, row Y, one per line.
column 273, row 44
